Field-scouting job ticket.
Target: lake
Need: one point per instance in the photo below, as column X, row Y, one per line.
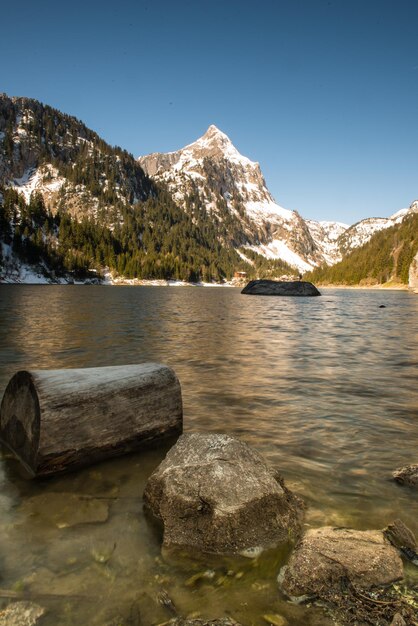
column 325, row 388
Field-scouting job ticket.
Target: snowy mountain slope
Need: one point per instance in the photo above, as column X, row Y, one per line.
column 212, row 175
column 199, row 213
column 360, row 233
column 327, row 237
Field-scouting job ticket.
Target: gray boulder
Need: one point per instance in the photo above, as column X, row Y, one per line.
column 327, row 556
column 280, row 288
column 215, row 494
column 407, row 475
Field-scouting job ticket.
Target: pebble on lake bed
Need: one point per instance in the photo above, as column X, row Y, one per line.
column 21, row 614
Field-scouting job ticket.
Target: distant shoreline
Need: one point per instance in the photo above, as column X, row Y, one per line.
column 397, row 287
column 136, row 282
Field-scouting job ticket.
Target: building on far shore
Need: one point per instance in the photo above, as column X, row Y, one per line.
column 240, row 274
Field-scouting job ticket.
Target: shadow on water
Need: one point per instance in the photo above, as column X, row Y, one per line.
column 324, row 388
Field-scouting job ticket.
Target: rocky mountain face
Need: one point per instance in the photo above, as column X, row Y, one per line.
column 45, row 150
column 212, row 174
column 200, row 213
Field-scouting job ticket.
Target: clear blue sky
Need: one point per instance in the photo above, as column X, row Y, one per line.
column 324, row 94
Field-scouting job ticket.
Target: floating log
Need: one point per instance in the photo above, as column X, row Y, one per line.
column 59, row 420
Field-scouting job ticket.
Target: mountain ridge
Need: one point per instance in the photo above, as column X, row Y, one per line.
column 264, row 226
column 202, row 212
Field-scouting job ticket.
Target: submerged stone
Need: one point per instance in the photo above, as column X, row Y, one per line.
column 21, row 614
column 66, row 509
column 327, row 556
column 407, row 475
column 400, row 535
column 214, row 493
column 223, row 621
column 280, row 288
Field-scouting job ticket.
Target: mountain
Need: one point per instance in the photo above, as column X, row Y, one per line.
column 73, row 206
column 44, row 149
column 360, row 233
column 386, row 256
column 211, row 174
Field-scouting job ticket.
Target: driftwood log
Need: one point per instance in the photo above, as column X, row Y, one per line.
column 56, row 420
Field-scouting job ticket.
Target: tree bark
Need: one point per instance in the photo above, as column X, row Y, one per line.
column 57, row 420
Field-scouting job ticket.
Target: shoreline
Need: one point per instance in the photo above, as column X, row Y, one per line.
column 108, row 281
column 384, row 287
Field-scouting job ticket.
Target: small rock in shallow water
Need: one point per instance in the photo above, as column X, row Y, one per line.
column 407, row 475
column 327, row 556
column 21, row 614
column 400, row 535
column 275, row 620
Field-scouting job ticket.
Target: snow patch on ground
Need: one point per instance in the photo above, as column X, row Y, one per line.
column 244, row 258
column 268, row 210
column 278, row 249
column 45, row 179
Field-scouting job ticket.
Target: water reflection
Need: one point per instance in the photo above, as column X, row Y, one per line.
column 325, row 388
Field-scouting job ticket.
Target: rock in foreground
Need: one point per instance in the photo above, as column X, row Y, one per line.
column 325, row 557
column 407, row 475
column 215, row 494
column 280, row 288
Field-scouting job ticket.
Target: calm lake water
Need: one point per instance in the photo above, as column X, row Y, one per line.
column 325, row 388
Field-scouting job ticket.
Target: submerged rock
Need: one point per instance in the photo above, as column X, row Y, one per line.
column 21, row 614
column 66, row 509
column 215, row 494
column 400, row 535
column 223, row 621
column 326, row 557
column 280, row 288
column 407, row 475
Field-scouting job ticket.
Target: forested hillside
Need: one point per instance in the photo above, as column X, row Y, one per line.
column 154, row 241
column 386, row 257
column 70, row 203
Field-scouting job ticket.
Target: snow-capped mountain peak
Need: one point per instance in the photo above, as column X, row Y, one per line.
column 212, row 175
column 215, row 143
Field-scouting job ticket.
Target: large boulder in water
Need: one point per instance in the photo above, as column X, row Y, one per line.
column 280, row 288
column 326, row 557
column 215, row 494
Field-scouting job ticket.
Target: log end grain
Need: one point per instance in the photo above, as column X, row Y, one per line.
column 60, row 420
column 20, row 418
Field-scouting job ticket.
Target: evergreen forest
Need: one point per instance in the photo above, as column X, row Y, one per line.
column 385, row 258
